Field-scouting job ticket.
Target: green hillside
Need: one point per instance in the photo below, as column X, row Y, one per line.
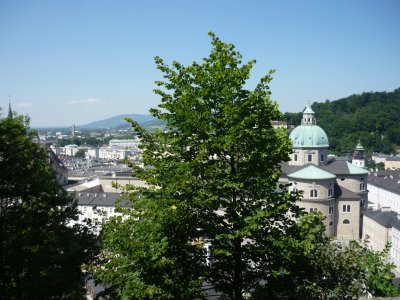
column 373, row 117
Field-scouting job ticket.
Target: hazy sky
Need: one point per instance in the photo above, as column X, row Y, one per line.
column 69, row 62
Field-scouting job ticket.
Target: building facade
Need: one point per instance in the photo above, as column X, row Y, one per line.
column 337, row 189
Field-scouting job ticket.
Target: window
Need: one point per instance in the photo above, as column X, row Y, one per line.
column 345, row 221
column 309, row 157
column 295, row 157
column 330, row 192
column 342, row 179
column 346, row 208
column 313, row 194
column 330, row 223
column 330, row 210
column 362, row 186
column 313, row 209
column 322, row 157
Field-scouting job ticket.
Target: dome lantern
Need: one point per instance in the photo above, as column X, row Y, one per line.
column 308, row 116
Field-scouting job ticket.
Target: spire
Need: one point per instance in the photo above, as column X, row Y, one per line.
column 10, row 115
column 359, row 147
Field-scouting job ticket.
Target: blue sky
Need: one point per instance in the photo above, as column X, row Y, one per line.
column 75, row 61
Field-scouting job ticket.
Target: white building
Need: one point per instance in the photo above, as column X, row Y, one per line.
column 97, row 206
column 381, row 227
column 70, row 150
column 384, row 189
column 113, row 153
column 124, row 143
column 92, row 153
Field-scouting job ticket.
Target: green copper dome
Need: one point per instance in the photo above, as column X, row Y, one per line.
column 309, row 135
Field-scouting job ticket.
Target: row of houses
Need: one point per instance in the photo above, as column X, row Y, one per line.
column 116, row 150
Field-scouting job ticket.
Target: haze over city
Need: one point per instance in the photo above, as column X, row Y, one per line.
column 74, row 62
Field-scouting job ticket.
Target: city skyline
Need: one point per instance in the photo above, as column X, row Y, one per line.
column 74, row 62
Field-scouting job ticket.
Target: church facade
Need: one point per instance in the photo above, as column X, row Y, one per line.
column 337, row 188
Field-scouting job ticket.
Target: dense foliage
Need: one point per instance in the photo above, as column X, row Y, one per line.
column 40, row 256
column 371, row 117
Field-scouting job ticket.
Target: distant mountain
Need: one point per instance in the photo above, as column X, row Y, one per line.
column 119, row 121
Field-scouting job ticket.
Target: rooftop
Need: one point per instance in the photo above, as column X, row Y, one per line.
column 386, row 179
column 311, row 172
column 99, row 199
column 387, row 219
column 337, row 167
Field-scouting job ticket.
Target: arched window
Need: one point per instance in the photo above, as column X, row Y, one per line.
column 330, row 192
column 322, row 157
column 295, row 157
column 362, row 186
column 346, row 221
column 330, row 223
column 309, row 157
column 313, row 194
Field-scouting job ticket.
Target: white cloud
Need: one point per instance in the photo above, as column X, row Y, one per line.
column 23, row 105
column 89, row 101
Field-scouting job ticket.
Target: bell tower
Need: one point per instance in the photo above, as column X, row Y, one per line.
column 358, row 156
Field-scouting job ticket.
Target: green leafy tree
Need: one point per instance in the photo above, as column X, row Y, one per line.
column 216, row 169
column 349, row 272
column 315, row 267
column 40, row 255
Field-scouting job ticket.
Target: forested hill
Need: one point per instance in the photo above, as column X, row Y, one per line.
column 373, row 117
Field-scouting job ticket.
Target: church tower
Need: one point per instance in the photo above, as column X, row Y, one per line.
column 358, row 156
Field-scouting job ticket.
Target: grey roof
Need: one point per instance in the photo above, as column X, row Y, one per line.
column 340, row 167
column 387, row 179
column 388, row 219
column 394, row 158
column 99, row 199
column 345, row 194
column 337, row 167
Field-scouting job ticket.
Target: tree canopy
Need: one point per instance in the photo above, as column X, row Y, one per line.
column 41, row 256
